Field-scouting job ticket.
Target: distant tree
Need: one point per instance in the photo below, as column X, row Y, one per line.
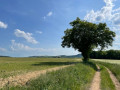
column 85, row 36
column 109, row 54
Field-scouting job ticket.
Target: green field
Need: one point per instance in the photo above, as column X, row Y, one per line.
column 14, row 66
column 108, row 61
column 114, row 68
column 106, row 82
column 76, row 77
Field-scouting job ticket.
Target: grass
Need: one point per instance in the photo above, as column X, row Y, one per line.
column 114, row 68
column 112, row 61
column 106, row 82
column 76, row 77
column 14, row 66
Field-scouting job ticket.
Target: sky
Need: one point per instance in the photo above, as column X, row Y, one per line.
column 35, row 27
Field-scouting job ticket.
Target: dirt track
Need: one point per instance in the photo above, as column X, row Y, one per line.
column 114, row 79
column 95, row 85
column 24, row 78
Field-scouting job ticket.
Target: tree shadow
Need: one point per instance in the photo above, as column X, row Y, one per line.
column 91, row 64
column 54, row 63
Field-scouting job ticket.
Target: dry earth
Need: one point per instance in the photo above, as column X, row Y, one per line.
column 95, row 85
column 114, row 79
column 96, row 80
column 24, row 78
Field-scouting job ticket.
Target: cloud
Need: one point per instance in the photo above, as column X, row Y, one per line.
column 44, row 17
column 109, row 14
column 27, row 36
column 21, row 47
column 106, row 13
column 40, row 32
column 117, row 21
column 3, row 49
column 18, row 46
column 115, row 28
column 3, row 25
column 117, row 38
column 49, row 14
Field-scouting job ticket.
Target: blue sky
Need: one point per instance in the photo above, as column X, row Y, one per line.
column 35, row 27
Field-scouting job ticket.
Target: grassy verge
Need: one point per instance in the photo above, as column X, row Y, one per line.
column 16, row 66
column 76, row 77
column 114, row 68
column 106, row 82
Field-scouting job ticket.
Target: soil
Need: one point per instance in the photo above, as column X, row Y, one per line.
column 96, row 80
column 114, row 79
column 24, row 78
column 95, row 85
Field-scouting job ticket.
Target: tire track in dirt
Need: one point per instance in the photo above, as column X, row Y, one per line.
column 114, row 79
column 24, row 78
column 95, row 85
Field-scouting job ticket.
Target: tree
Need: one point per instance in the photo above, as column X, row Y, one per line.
column 109, row 54
column 85, row 36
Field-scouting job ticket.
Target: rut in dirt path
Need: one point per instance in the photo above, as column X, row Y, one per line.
column 114, row 79
column 96, row 80
column 24, row 78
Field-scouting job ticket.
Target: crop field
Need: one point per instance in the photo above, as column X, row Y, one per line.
column 108, row 61
column 76, row 77
column 58, row 74
column 14, row 66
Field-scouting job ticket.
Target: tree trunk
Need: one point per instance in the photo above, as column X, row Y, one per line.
column 85, row 56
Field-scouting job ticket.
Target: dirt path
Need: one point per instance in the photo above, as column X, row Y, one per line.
column 114, row 79
column 24, row 78
column 96, row 81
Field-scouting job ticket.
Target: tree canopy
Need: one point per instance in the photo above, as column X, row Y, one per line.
column 85, row 36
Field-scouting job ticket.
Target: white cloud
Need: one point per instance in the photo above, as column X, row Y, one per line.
column 117, row 38
column 18, row 46
column 117, row 44
column 114, row 28
column 101, row 15
column 106, row 13
column 27, row 36
column 117, row 21
column 40, row 32
column 93, row 16
column 3, row 25
column 110, row 15
column 116, row 10
column 21, row 47
column 49, row 14
column 3, row 49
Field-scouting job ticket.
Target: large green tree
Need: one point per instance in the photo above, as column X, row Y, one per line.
column 85, row 36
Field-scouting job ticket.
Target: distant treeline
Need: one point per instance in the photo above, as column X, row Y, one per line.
column 110, row 54
column 61, row 56
column 4, row 56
